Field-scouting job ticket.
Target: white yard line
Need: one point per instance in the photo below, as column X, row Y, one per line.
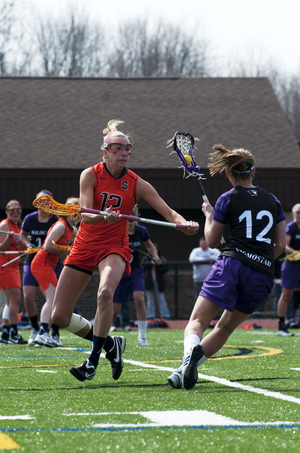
column 225, row 382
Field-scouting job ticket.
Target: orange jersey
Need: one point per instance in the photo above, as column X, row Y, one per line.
column 104, row 238
column 43, row 258
column 13, row 246
column 120, row 194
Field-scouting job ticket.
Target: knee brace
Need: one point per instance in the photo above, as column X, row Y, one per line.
column 77, row 323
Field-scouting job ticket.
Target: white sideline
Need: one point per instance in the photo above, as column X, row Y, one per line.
column 222, row 381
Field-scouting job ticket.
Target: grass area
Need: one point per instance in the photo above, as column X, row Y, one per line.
column 247, row 398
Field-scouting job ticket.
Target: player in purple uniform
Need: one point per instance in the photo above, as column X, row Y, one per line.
column 290, row 271
column 134, row 283
column 242, row 276
column 36, row 225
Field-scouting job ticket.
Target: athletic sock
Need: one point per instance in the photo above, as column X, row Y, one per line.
column 89, row 336
column 44, row 328
column 34, row 322
column 98, row 343
column 189, row 341
column 5, row 332
column 55, row 329
column 13, row 330
column 281, row 322
column 142, row 325
column 109, row 344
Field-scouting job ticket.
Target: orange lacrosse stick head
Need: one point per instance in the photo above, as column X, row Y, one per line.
column 47, row 204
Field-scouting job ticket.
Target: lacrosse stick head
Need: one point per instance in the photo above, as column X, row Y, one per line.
column 47, row 204
column 183, row 144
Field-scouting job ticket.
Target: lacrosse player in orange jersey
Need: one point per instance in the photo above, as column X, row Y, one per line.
column 10, row 279
column 43, row 268
column 102, row 241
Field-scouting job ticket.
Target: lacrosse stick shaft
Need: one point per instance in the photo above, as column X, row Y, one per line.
column 6, row 232
column 142, row 253
column 11, row 252
column 12, row 261
column 138, row 219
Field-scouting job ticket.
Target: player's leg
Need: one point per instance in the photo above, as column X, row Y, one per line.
column 141, row 314
column 43, row 338
column 111, row 270
column 286, row 295
column 70, row 285
column 13, row 296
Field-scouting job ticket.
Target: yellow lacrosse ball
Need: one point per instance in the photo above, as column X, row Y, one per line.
column 188, row 159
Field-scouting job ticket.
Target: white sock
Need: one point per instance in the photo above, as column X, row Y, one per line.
column 190, row 340
column 142, row 325
column 202, row 360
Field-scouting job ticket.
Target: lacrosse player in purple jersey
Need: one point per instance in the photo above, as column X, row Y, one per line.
column 290, row 271
column 242, row 276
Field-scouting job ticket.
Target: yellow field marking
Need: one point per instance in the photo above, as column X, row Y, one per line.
column 269, row 351
column 6, row 443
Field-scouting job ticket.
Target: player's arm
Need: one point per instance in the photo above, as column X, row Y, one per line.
column 213, row 231
column 5, row 239
column 152, row 251
column 288, row 239
column 148, row 193
column 280, row 239
column 55, row 234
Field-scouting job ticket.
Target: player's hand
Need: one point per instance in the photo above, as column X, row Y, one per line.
column 207, row 208
column 192, row 228
column 113, row 216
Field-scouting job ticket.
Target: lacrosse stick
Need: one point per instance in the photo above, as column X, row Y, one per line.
column 7, row 232
column 28, row 251
column 142, row 253
column 183, row 144
column 65, row 248
column 47, row 204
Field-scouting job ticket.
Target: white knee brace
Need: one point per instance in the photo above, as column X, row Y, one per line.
column 77, row 323
column 5, row 312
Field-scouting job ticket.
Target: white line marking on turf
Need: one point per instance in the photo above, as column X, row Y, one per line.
column 222, row 381
column 45, row 371
column 176, row 418
column 16, row 417
column 297, row 369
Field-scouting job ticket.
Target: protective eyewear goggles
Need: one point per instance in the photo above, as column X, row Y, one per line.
column 14, row 210
column 116, row 147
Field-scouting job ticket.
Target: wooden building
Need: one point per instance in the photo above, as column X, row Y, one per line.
column 51, row 129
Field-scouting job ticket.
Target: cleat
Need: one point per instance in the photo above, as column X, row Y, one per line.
column 127, row 328
column 175, row 380
column 115, row 356
column 33, row 335
column 83, row 372
column 113, row 329
column 45, row 341
column 189, row 366
column 4, row 340
column 17, row 339
column 57, row 340
column 143, row 342
column 284, row 333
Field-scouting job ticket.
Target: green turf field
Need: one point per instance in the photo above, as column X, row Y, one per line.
column 247, row 399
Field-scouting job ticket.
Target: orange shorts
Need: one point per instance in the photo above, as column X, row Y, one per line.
column 10, row 278
column 88, row 260
column 44, row 275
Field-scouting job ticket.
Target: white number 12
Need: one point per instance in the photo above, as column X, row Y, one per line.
column 247, row 215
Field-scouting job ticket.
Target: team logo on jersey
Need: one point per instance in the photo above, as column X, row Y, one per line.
column 125, row 185
column 252, row 192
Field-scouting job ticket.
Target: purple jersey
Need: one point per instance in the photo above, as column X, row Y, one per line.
column 252, row 214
